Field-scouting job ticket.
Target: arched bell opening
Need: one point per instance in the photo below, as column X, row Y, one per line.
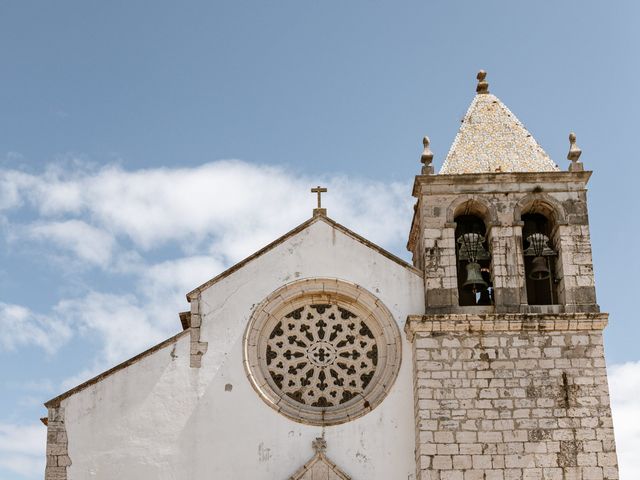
column 540, row 259
column 473, row 260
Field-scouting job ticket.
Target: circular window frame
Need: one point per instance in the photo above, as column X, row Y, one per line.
column 319, row 290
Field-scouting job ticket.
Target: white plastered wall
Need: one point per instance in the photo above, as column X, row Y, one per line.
column 160, row 419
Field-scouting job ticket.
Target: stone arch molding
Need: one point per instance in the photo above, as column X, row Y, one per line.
column 322, row 351
column 473, row 205
column 539, row 202
column 319, row 467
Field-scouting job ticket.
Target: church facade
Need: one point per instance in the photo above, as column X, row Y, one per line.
column 323, row 356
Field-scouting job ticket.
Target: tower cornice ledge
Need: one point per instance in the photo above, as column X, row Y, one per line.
column 521, row 181
column 504, row 322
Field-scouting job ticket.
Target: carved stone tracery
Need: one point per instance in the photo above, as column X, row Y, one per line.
column 322, row 355
column 322, row 351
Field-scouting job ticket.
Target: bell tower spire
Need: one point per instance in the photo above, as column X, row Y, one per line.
column 491, row 139
column 508, row 357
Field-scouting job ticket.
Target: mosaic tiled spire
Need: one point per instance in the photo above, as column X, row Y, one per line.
column 491, row 139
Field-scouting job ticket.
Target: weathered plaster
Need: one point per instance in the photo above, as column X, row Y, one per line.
column 161, row 419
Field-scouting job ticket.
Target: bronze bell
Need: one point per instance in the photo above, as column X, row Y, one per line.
column 539, row 269
column 474, row 277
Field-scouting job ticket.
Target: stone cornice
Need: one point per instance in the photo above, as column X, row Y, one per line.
column 504, row 322
column 510, row 180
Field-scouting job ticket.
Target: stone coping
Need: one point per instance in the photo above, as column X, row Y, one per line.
column 503, row 322
column 55, row 402
column 303, row 226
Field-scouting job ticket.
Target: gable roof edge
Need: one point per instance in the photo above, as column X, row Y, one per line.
column 55, row 401
column 193, row 293
column 373, row 246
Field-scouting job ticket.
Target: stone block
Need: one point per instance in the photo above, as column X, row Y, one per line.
column 481, row 462
column 442, row 462
column 462, row 462
column 451, row 475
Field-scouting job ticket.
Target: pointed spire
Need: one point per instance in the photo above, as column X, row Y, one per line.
column 483, row 86
column 426, row 158
column 574, row 154
column 492, row 140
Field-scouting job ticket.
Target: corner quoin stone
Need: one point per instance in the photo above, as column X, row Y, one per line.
column 57, row 454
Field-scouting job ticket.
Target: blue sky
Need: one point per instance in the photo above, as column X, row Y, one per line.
column 143, row 150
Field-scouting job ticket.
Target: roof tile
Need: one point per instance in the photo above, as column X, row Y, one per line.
column 491, row 139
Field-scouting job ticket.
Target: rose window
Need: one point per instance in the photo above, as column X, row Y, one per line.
column 321, row 355
column 322, row 351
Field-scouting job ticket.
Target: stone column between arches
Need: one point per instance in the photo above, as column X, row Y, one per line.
column 577, row 282
column 440, row 266
column 507, row 267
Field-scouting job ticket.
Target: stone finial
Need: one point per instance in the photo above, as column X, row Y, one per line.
column 574, row 154
column 483, row 86
column 319, row 445
column 426, row 158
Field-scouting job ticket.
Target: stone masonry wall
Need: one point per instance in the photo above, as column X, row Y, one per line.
column 511, row 397
column 57, row 454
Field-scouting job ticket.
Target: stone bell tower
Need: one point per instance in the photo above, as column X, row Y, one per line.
column 509, row 371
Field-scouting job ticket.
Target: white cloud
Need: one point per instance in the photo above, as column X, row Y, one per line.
column 16, row 187
column 117, row 220
column 174, row 278
column 22, row 327
column 88, row 243
column 624, row 383
column 232, row 207
column 119, row 322
column 128, row 324
column 122, row 325
column 22, row 449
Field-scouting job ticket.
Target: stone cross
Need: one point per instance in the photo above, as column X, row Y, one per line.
column 319, row 190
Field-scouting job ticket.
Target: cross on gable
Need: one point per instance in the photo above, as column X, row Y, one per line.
column 319, row 190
